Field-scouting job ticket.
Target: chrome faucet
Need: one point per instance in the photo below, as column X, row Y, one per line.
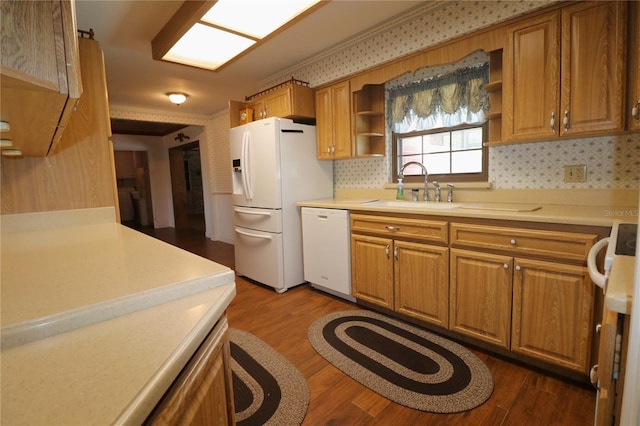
column 425, row 196
column 437, row 197
column 450, row 193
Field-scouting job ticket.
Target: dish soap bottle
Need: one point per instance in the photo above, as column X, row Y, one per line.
column 400, row 193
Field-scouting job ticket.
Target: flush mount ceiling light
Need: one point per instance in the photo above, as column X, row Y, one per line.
column 209, row 34
column 177, row 98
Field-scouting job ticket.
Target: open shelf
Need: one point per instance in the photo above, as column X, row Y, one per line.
column 494, row 87
column 369, row 124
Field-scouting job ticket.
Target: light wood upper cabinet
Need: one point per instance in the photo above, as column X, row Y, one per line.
column 333, row 122
column 593, row 67
column 79, row 172
column 553, row 313
column 290, row 99
column 565, row 72
column 633, row 107
column 531, row 86
column 39, row 73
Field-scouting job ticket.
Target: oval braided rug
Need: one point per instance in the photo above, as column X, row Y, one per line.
column 267, row 388
column 403, row 363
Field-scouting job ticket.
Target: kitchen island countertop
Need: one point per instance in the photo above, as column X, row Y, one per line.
column 98, row 319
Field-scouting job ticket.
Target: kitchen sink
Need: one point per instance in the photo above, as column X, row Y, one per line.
column 423, row 205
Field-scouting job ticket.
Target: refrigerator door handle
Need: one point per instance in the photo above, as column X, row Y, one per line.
column 249, row 234
column 246, row 175
column 237, row 210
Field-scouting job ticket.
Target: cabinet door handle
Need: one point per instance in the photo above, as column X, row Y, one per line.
column 513, row 241
column 505, row 266
column 552, row 122
column 518, row 268
column 593, row 376
column 565, row 120
column 395, row 252
column 386, row 250
column 634, row 111
column 392, row 228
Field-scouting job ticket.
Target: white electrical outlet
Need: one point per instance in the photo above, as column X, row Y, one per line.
column 575, row 173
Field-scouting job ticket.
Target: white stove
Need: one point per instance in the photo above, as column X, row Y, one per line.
column 622, row 242
column 617, row 285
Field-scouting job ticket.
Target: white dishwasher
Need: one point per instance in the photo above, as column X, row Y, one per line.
column 326, row 249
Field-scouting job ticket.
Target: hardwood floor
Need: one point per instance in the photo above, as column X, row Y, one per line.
column 521, row 396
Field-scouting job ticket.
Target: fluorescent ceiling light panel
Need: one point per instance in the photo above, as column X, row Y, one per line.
column 255, row 18
column 206, row 47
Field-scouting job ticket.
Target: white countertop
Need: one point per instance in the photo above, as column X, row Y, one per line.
column 98, row 319
column 560, row 214
column 619, row 293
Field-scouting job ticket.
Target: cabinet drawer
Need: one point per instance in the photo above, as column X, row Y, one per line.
column 552, row 244
column 405, row 228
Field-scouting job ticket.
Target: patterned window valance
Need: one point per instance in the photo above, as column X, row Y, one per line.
column 445, row 101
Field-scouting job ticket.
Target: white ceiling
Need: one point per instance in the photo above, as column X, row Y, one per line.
column 125, row 29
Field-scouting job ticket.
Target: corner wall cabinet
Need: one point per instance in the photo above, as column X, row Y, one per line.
column 369, row 116
column 564, row 78
column 203, row 392
column 333, row 122
column 291, row 99
column 39, row 72
column 494, row 88
column 401, row 264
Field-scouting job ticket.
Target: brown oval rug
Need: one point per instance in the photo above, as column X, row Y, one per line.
column 403, row 363
column 267, row 388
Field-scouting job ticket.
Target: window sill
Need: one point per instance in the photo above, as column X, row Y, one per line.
column 457, row 185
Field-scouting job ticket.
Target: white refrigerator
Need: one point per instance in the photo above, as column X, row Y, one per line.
column 274, row 166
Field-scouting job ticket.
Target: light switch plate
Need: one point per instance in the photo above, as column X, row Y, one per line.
column 575, row 173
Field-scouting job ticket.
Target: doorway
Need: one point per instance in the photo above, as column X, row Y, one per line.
column 134, row 188
column 186, row 187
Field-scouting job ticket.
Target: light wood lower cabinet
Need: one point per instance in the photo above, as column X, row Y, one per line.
column 553, row 313
column 535, row 307
column 203, row 392
column 372, row 269
column 480, row 298
column 520, row 289
column 391, row 271
column 421, row 281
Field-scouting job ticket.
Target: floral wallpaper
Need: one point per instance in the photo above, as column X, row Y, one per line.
column 612, row 162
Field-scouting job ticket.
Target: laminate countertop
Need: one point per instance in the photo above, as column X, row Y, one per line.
column 527, row 212
column 98, row 319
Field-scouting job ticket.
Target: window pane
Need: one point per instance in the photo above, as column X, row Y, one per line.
column 411, row 145
column 437, row 142
column 466, row 161
column 466, row 139
column 437, row 164
column 443, row 153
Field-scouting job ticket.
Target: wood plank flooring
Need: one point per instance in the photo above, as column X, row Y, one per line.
column 521, row 396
